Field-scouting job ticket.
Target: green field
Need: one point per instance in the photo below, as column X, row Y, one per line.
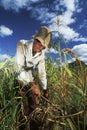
column 66, row 108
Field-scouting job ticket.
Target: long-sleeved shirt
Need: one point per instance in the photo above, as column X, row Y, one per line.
column 25, row 63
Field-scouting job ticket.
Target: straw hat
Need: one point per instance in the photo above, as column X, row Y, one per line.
column 44, row 36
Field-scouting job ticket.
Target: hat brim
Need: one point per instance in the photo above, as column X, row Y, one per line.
column 40, row 39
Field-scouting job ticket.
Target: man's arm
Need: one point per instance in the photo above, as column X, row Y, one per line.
column 43, row 79
column 42, row 74
column 19, row 58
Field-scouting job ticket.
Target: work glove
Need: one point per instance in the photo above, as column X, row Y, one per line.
column 46, row 94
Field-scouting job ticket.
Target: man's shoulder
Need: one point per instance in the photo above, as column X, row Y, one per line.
column 24, row 42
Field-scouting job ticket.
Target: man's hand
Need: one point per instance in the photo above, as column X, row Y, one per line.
column 34, row 88
column 46, row 94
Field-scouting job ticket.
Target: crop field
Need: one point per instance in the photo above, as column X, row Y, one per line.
column 66, row 108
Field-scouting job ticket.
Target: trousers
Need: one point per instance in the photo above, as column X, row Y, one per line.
column 29, row 93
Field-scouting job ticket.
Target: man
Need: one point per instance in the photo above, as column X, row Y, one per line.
column 28, row 57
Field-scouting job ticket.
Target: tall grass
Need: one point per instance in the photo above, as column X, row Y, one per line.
column 68, row 89
column 9, row 98
column 66, row 107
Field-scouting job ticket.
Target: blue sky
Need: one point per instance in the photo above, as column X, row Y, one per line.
column 20, row 19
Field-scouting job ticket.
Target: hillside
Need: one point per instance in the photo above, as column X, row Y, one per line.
column 76, row 64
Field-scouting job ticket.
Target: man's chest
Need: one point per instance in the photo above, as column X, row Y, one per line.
column 32, row 61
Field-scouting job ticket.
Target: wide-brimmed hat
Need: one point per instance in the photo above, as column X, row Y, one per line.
column 44, row 36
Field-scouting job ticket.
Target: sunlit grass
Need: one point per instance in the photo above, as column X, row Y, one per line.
column 66, row 107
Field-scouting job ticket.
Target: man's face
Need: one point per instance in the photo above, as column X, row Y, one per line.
column 37, row 47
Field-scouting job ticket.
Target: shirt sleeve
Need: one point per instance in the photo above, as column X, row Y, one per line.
column 24, row 74
column 42, row 74
column 19, row 58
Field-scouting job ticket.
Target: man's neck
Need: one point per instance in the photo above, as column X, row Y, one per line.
column 35, row 52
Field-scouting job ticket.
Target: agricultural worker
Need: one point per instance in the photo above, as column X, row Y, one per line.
column 28, row 57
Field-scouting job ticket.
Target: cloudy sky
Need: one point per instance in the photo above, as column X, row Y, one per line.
column 20, row 19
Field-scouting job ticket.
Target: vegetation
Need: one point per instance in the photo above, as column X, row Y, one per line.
column 66, row 107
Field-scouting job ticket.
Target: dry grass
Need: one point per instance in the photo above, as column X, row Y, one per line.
column 64, row 110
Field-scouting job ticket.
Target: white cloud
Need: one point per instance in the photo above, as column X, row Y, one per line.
column 5, row 31
column 17, row 4
column 48, row 14
column 62, row 26
column 41, row 12
column 52, row 50
column 20, row 3
column 81, row 51
column 84, row 24
column 4, row 56
column 83, row 39
column 68, row 33
column 34, row 0
column 79, row 10
column 70, row 5
column 65, row 20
